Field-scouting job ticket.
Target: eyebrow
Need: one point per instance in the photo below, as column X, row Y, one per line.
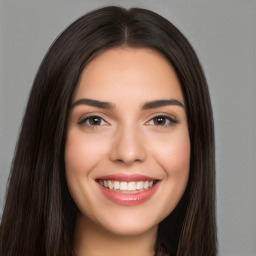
column 162, row 103
column 93, row 103
column 108, row 105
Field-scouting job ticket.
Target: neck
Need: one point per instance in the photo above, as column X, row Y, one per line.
column 92, row 240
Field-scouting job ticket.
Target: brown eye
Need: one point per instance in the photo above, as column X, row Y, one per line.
column 93, row 121
column 162, row 121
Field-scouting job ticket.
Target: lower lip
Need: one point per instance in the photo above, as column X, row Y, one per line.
column 129, row 199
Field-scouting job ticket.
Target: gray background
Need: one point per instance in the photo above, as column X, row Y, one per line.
column 223, row 34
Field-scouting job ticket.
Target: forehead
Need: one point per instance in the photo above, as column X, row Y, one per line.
column 124, row 72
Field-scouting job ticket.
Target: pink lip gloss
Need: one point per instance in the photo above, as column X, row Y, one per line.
column 128, row 198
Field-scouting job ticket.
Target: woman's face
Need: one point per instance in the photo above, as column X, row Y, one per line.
column 128, row 149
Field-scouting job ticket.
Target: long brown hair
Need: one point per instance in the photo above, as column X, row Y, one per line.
column 39, row 213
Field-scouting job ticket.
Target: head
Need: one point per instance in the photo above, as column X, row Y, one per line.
column 38, row 171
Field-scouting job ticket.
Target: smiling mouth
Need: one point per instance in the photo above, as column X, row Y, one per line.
column 128, row 189
column 124, row 187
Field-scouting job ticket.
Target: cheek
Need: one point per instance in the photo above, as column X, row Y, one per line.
column 174, row 158
column 82, row 153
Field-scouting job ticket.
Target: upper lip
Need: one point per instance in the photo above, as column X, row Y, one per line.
column 126, row 177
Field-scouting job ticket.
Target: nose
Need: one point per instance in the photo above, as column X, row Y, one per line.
column 128, row 146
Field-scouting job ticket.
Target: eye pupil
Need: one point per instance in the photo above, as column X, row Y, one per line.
column 94, row 120
column 159, row 120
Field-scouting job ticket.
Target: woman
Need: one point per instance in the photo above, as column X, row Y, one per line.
column 116, row 150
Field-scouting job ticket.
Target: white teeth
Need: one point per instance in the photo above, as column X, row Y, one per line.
column 126, row 186
column 116, row 185
column 110, row 185
column 131, row 186
column 123, row 186
column 140, row 185
column 146, row 185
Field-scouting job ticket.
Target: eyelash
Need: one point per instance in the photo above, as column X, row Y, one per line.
column 167, row 118
column 92, row 118
column 163, row 117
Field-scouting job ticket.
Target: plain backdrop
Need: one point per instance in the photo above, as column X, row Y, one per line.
column 223, row 34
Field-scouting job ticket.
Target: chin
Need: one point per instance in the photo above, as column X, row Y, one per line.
column 131, row 221
column 131, row 229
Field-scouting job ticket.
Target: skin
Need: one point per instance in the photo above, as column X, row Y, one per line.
column 125, row 139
